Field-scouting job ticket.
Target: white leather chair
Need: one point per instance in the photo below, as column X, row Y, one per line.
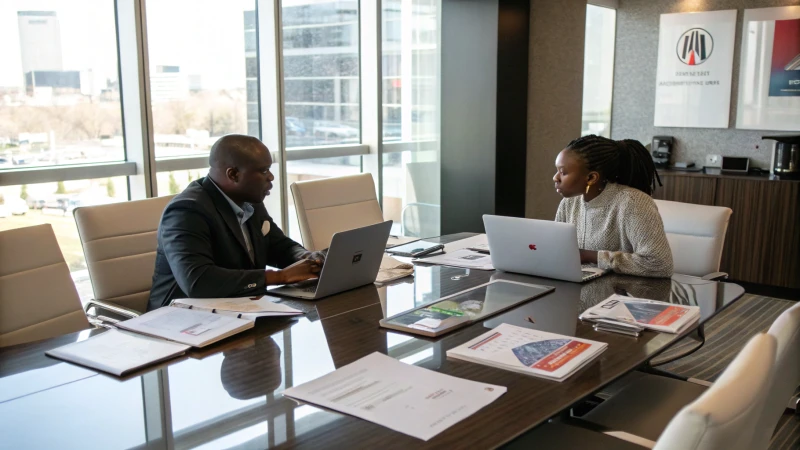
column 120, row 241
column 786, row 330
column 696, row 235
column 723, row 417
column 330, row 205
column 38, row 299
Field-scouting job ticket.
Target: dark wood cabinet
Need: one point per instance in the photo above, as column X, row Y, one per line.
column 687, row 189
column 763, row 240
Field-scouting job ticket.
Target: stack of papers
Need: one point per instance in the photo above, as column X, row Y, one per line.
column 638, row 312
column 392, row 269
column 118, row 352
column 241, row 308
column 463, row 258
column 532, row 352
column 405, row 398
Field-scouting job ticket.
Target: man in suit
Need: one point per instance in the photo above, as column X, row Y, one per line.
column 215, row 238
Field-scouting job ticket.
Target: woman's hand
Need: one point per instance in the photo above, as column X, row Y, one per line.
column 588, row 257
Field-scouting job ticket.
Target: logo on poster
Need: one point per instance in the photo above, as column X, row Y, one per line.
column 695, row 46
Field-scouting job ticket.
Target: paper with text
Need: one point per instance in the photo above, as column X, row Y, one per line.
column 405, row 398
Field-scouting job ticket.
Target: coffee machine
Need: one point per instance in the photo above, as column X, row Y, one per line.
column 661, row 150
column 785, row 163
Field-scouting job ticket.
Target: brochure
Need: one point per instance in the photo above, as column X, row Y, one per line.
column 650, row 314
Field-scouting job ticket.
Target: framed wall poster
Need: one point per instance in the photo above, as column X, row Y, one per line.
column 769, row 72
column 695, row 66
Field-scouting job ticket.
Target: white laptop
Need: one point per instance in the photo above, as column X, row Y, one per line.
column 352, row 260
column 540, row 248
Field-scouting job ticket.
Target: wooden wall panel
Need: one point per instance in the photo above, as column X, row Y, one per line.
column 763, row 241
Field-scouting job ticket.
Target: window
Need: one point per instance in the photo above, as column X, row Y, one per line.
column 598, row 70
column 53, row 203
column 203, row 74
column 411, row 163
column 59, row 88
column 321, row 72
column 174, row 182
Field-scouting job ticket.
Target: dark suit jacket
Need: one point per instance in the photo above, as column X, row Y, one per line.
column 201, row 252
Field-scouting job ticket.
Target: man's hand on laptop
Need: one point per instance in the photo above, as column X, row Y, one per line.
column 304, row 269
column 318, row 257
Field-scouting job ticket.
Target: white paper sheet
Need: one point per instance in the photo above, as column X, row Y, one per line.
column 405, row 398
column 463, row 258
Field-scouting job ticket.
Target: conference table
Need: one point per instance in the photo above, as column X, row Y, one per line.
column 229, row 395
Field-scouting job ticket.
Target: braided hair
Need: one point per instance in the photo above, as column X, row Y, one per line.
column 625, row 162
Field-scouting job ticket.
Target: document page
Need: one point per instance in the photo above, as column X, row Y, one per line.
column 118, row 352
column 187, row 326
column 466, row 259
column 405, row 398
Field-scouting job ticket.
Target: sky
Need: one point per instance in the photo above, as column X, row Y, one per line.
column 204, row 37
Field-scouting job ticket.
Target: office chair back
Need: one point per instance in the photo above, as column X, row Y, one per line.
column 696, row 235
column 120, row 241
column 786, row 330
column 38, row 299
column 725, row 416
column 330, row 205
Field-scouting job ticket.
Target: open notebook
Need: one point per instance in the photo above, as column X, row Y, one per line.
column 241, row 308
column 150, row 338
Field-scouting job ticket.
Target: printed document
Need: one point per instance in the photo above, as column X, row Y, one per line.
column 187, row 326
column 532, row 352
column 465, row 259
column 242, row 307
column 652, row 314
column 405, row 398
column 118, row 352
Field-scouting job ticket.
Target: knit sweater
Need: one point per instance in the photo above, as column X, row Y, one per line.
column 623, row 225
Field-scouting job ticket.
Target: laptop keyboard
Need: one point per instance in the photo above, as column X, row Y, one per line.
column 306, row 286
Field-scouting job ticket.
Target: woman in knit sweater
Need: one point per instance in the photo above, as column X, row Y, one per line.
column 606, row 186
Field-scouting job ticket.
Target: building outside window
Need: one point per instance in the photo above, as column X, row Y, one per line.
column 59, row 106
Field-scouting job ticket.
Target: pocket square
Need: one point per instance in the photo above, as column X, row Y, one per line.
column 265, row 228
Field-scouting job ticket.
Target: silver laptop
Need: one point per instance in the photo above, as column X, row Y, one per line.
column 540, row 248
column 352, row 260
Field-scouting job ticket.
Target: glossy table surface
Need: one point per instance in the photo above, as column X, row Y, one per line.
column 230, row 394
